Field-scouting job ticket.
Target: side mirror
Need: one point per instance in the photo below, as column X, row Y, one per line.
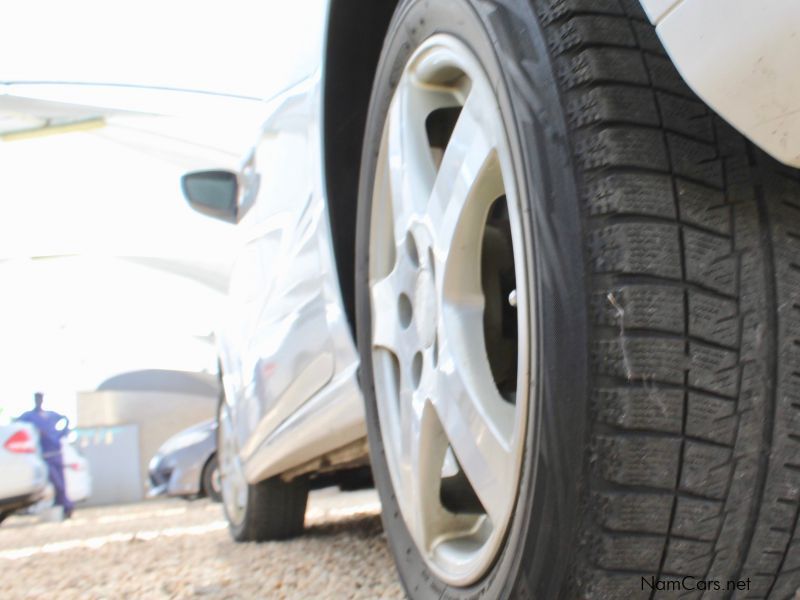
column 222, row 194
column 213, row 193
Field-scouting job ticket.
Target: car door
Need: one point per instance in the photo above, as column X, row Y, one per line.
column 281, row 347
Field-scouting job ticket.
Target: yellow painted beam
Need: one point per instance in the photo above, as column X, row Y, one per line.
column 57, row 129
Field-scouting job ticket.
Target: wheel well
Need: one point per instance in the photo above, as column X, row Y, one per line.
column 356, row 30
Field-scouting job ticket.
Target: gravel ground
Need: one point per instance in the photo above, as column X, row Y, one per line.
column 179, row 549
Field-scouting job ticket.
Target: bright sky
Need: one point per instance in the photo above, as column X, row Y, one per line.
column 70, row 323
column 246, row 47
column 67, row 324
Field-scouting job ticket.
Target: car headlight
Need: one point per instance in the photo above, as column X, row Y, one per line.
column 154, row 462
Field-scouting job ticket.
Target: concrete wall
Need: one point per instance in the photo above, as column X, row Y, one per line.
column 114, row 463
column 157, row 414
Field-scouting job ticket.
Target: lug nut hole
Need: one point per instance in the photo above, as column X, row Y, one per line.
column 405, row 311
column 416, row 369
column 411, row 248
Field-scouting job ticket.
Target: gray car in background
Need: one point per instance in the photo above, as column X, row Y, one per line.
column 186, row 464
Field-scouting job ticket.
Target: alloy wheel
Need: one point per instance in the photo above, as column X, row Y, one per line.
column 450, row 310
column 231, row 474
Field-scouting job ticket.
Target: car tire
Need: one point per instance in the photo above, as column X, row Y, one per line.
column 275, row 510
column 4, row 515
column 210, row 472
column 663, row 439
column 272, row 509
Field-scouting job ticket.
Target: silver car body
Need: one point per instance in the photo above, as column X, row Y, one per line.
column 286, row 348
column 287, row 353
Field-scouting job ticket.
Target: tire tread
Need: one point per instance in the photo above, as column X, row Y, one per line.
column 691, row 237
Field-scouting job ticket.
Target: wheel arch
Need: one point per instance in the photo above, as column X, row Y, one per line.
column 356, row 31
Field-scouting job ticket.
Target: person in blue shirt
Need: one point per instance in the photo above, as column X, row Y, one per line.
column 52, row 427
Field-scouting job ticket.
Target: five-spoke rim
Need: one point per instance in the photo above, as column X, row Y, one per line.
column 450, row 310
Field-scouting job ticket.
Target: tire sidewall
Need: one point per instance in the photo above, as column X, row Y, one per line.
column 540, row 539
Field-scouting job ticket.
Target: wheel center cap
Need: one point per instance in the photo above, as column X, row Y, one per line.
column 425, row 308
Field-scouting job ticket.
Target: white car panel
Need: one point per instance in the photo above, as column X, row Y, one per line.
column 21, row 473
column 77, row 477
column 741, row 58
column 656, row 9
